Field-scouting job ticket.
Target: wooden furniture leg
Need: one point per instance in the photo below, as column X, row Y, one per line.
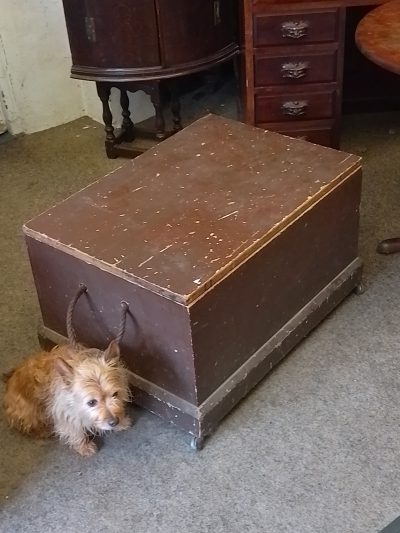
column 238, row 80
column 175, row 105
column 104, row 91
column 115, row 140
column 128, row 126
column 389, row 246
column 156, row 100
column 377, row 39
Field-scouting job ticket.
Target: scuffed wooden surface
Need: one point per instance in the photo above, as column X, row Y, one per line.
column 181, row 216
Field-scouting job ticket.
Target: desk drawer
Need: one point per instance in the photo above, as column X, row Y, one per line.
column 316, row 136
column 321, row 132
column 295, row 106
column 296, row 28
column 295, row 69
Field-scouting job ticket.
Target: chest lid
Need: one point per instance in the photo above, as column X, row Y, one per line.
column 180, row 217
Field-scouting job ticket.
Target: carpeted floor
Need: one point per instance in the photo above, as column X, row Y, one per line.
column 314, row 448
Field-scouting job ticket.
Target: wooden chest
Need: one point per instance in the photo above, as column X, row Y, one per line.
column 228, row 242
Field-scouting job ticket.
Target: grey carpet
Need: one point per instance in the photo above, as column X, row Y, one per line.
column 314, row 448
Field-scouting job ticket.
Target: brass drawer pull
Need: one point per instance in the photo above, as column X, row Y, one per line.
column 295, row 29
column 294, row 108
column 295, row 70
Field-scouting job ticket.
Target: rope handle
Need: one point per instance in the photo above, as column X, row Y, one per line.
column 70, row 311
column 70, row 327
column 122, row 322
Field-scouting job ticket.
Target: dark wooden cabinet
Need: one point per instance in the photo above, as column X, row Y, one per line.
column 133, row 40
column 144, row 44
column 111, row 39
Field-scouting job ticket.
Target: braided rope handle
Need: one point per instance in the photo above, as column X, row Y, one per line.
column 122, row 323
column 70, row 327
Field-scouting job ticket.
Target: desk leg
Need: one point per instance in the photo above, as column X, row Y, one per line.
column 389, row 246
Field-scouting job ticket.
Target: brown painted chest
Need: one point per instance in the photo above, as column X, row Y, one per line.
column 229, row 244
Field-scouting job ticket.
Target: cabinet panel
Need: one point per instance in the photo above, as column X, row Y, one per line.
column 133, row 40
column 112, row 34
column 197, row 28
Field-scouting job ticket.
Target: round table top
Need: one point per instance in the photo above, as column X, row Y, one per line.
column 378, row 36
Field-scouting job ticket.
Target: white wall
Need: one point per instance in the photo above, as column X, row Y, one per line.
column 35, row 65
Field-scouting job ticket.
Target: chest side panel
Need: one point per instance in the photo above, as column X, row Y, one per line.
column 157, row 340
column 239, row 315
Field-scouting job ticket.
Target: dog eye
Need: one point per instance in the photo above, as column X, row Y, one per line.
column 115, row 395
column 92, row 403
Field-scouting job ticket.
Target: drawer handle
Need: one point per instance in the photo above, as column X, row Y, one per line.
column 294, row 108
column 90, row 29
column 295, row 70
column 295, row 29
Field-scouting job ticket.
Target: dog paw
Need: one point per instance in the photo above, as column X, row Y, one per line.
column 125, row 423
column 86, row 448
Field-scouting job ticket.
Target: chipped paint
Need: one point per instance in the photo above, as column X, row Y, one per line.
column 166, row 248
column 229, row 215
column 146, row 261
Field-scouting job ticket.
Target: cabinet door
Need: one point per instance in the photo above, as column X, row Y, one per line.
column 112, row 33
column 194, row 29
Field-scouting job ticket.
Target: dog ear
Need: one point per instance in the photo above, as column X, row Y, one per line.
column 63, row 368
column 112, row 351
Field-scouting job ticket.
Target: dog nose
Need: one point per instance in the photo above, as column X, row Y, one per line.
column 113, row 422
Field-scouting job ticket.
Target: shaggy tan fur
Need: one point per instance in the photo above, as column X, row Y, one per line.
column 69, row 393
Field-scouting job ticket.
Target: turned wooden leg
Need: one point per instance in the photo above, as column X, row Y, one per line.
column 175, row 106
column 389, row 246
column 156, row 100
column 104, row 92
column 127, row 124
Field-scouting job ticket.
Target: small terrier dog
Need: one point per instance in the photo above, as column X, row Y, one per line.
column 71, row 392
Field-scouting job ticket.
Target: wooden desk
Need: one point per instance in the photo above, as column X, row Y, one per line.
column 378, row 38
column 293, row 55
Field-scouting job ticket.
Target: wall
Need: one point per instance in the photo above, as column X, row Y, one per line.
column 35, row 63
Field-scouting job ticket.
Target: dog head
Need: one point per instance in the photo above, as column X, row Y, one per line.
column 97, row 387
